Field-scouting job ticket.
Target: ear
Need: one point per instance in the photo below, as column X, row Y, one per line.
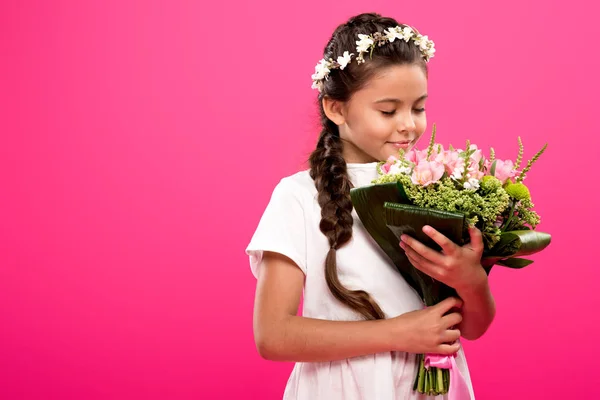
column 334, row 110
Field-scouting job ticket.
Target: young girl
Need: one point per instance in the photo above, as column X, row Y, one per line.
column 362, row 324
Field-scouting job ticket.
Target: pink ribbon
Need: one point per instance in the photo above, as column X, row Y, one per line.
column 458, row 389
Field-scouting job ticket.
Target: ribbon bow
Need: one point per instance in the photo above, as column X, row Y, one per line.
column 458, row 389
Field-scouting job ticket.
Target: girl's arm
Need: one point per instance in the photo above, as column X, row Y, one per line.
column 281, row 335
column 479, row 309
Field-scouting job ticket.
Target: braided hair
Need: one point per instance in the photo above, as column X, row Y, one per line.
column 327, row 166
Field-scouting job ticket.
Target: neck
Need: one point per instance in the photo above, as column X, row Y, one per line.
column 353, row 154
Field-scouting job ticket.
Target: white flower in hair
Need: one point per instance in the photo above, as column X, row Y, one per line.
column 422, row 42
column 344, row 60
column 317, row 85
column 430, row 51
column 368, row 43
column 407, row 33
column 394, row 33
column 425, row 46
column 418, row 39
column 321, row 70
column 364, row 43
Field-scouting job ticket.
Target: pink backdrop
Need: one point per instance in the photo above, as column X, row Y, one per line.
column 131, row 129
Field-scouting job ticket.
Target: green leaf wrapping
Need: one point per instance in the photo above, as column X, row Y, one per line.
column 514, row 262
column 410, row 220
column 519, row 243
column 368, row 202
column 514, row 244
column 385, row 214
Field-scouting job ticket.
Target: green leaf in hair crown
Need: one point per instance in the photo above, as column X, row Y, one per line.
column 450, row 190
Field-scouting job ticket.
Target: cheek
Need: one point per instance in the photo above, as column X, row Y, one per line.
column 380, row 125
column 421, row 123
column 372, row 125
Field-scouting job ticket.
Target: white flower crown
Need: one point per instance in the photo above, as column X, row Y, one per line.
column 367, row 43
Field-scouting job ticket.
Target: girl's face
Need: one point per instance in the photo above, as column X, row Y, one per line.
column 386, row 115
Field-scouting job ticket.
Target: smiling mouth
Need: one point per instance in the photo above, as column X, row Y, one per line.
column 403, row 144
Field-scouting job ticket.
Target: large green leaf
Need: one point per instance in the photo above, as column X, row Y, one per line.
column 409, row 219
column 380, row 210
column 519, row 243
column 514, row 262
column 368, row 201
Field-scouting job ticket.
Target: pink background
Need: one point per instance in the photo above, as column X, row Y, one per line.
column 130, row 129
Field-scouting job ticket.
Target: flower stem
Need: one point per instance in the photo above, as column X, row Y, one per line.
column 510, row 216
column 440, row 381
column 421, row 374
column 520, row 155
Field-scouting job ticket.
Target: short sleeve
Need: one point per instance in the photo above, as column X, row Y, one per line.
column 282, row 227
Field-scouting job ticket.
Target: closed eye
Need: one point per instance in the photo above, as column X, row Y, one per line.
column 390, row 113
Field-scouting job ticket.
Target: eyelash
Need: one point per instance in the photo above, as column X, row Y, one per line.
column 390, row 113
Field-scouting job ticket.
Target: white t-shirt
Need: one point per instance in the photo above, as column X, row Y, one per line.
column 290, row 226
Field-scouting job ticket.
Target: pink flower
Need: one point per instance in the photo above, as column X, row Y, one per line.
column 427, row 172
column 487, row 164
column 474, row 169
column 385, row 168
column 477, row 156
column 415, row 156
column 504, row 170
column 451, row 161
column 476, row 173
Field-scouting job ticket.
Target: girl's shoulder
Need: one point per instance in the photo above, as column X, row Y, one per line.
column 299, row 185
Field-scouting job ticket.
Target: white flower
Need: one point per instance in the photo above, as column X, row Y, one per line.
column 430, row 52
column 321, row 70
column 364, row 43
column 317, row 85
column 398, row 168
column 344, row 60
column 423, row 42
column 407, row 33
column 393, row 34
column 471, row 184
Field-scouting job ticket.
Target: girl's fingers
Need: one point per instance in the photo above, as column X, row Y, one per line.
column 422, row 250
column 476, row 239
column 447, row 245
column 448, row 349
column 447, row 305
column 452, row 319
column 451, row 336
column 421, row 263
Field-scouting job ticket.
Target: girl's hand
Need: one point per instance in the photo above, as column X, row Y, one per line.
column 456, row 266
column 428, row 331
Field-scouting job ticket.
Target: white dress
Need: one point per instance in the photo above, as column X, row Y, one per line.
column 290, row 226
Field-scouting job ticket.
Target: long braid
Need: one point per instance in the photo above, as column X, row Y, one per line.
column 327, row 166
column 328, row 170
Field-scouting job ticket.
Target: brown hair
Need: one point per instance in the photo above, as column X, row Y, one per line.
column 327, row 166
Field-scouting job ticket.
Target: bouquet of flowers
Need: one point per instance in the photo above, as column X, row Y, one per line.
column 450, row 190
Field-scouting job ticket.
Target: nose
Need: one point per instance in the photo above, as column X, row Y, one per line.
column 406, row 122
